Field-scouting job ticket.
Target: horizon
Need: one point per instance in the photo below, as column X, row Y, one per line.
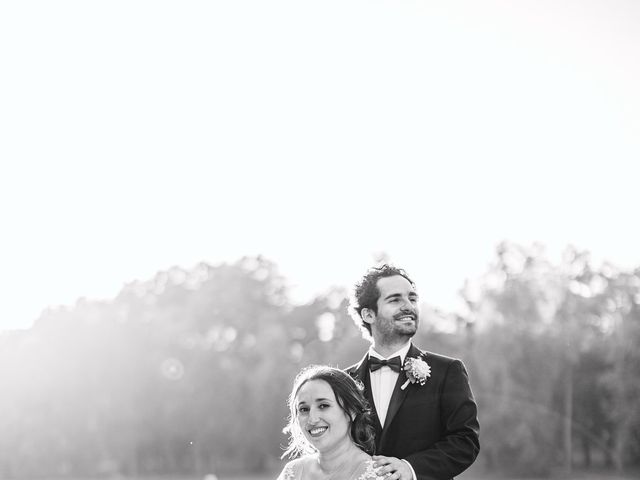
column 444, row 300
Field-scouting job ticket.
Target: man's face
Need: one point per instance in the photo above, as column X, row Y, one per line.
column 398, row 314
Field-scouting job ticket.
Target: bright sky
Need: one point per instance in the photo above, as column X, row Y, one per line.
column 138, row 135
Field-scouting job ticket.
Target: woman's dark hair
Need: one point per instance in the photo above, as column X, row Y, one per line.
column 366, row 293
column 350, row 398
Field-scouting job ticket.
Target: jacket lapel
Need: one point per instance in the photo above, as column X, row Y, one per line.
column 362, row 373
column 398, row 395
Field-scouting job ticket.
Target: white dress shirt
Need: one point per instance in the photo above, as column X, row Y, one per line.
column 384, row 380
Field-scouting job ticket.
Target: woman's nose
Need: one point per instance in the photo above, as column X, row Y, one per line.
column 313, row 415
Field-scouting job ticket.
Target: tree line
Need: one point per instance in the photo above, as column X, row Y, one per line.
column 187, row 373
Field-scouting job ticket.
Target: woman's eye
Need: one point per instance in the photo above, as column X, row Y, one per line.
column 303, row 409
column 322, row 406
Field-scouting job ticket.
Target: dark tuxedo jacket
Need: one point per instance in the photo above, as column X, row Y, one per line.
column 433, row 426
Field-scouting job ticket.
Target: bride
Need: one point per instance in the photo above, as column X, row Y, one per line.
column 330, row 427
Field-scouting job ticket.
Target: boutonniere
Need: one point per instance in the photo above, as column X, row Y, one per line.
column 417, row 370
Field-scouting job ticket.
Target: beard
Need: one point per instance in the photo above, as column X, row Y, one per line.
column 395, row 328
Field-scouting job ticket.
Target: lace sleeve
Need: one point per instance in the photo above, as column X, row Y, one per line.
column 370, row 473
column 287, row 472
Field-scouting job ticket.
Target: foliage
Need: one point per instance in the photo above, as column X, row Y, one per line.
column 556, row 345
column 188, row 372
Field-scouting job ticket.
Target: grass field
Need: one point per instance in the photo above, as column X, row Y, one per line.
column 575, row 476
column 590, row 475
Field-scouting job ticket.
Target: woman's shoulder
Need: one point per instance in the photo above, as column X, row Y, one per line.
column 293, row 469
column 289, row 471
column 368, row 471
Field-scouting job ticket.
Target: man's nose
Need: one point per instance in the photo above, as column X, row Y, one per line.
column 407, row 305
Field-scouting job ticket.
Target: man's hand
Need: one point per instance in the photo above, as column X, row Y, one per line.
column 392, row 468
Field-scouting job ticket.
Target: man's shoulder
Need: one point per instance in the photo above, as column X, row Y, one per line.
column 443, row 367
column 351, row 370
column 436, row 358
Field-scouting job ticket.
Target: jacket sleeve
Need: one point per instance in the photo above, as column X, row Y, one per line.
column 459, row 445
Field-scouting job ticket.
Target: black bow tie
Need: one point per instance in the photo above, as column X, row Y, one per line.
column 393, row 363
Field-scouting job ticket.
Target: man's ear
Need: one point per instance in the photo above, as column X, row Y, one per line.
column 368, row 315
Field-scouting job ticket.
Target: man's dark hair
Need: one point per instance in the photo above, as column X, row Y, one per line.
column 366, row 292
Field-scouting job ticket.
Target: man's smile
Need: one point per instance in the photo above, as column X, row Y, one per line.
column 404, row 317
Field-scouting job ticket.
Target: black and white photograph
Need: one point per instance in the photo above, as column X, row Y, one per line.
column 319, row 240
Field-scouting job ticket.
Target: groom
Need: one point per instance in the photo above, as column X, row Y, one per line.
column 423, row 408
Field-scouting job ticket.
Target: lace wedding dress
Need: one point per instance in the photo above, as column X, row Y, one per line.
column 295, row 470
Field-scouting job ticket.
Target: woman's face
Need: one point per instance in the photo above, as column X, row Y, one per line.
column 324, row 423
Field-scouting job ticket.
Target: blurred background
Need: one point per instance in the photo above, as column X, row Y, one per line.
column 188, row 190
column 186, row 373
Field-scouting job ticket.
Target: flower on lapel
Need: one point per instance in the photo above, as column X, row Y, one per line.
column 417, row 370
